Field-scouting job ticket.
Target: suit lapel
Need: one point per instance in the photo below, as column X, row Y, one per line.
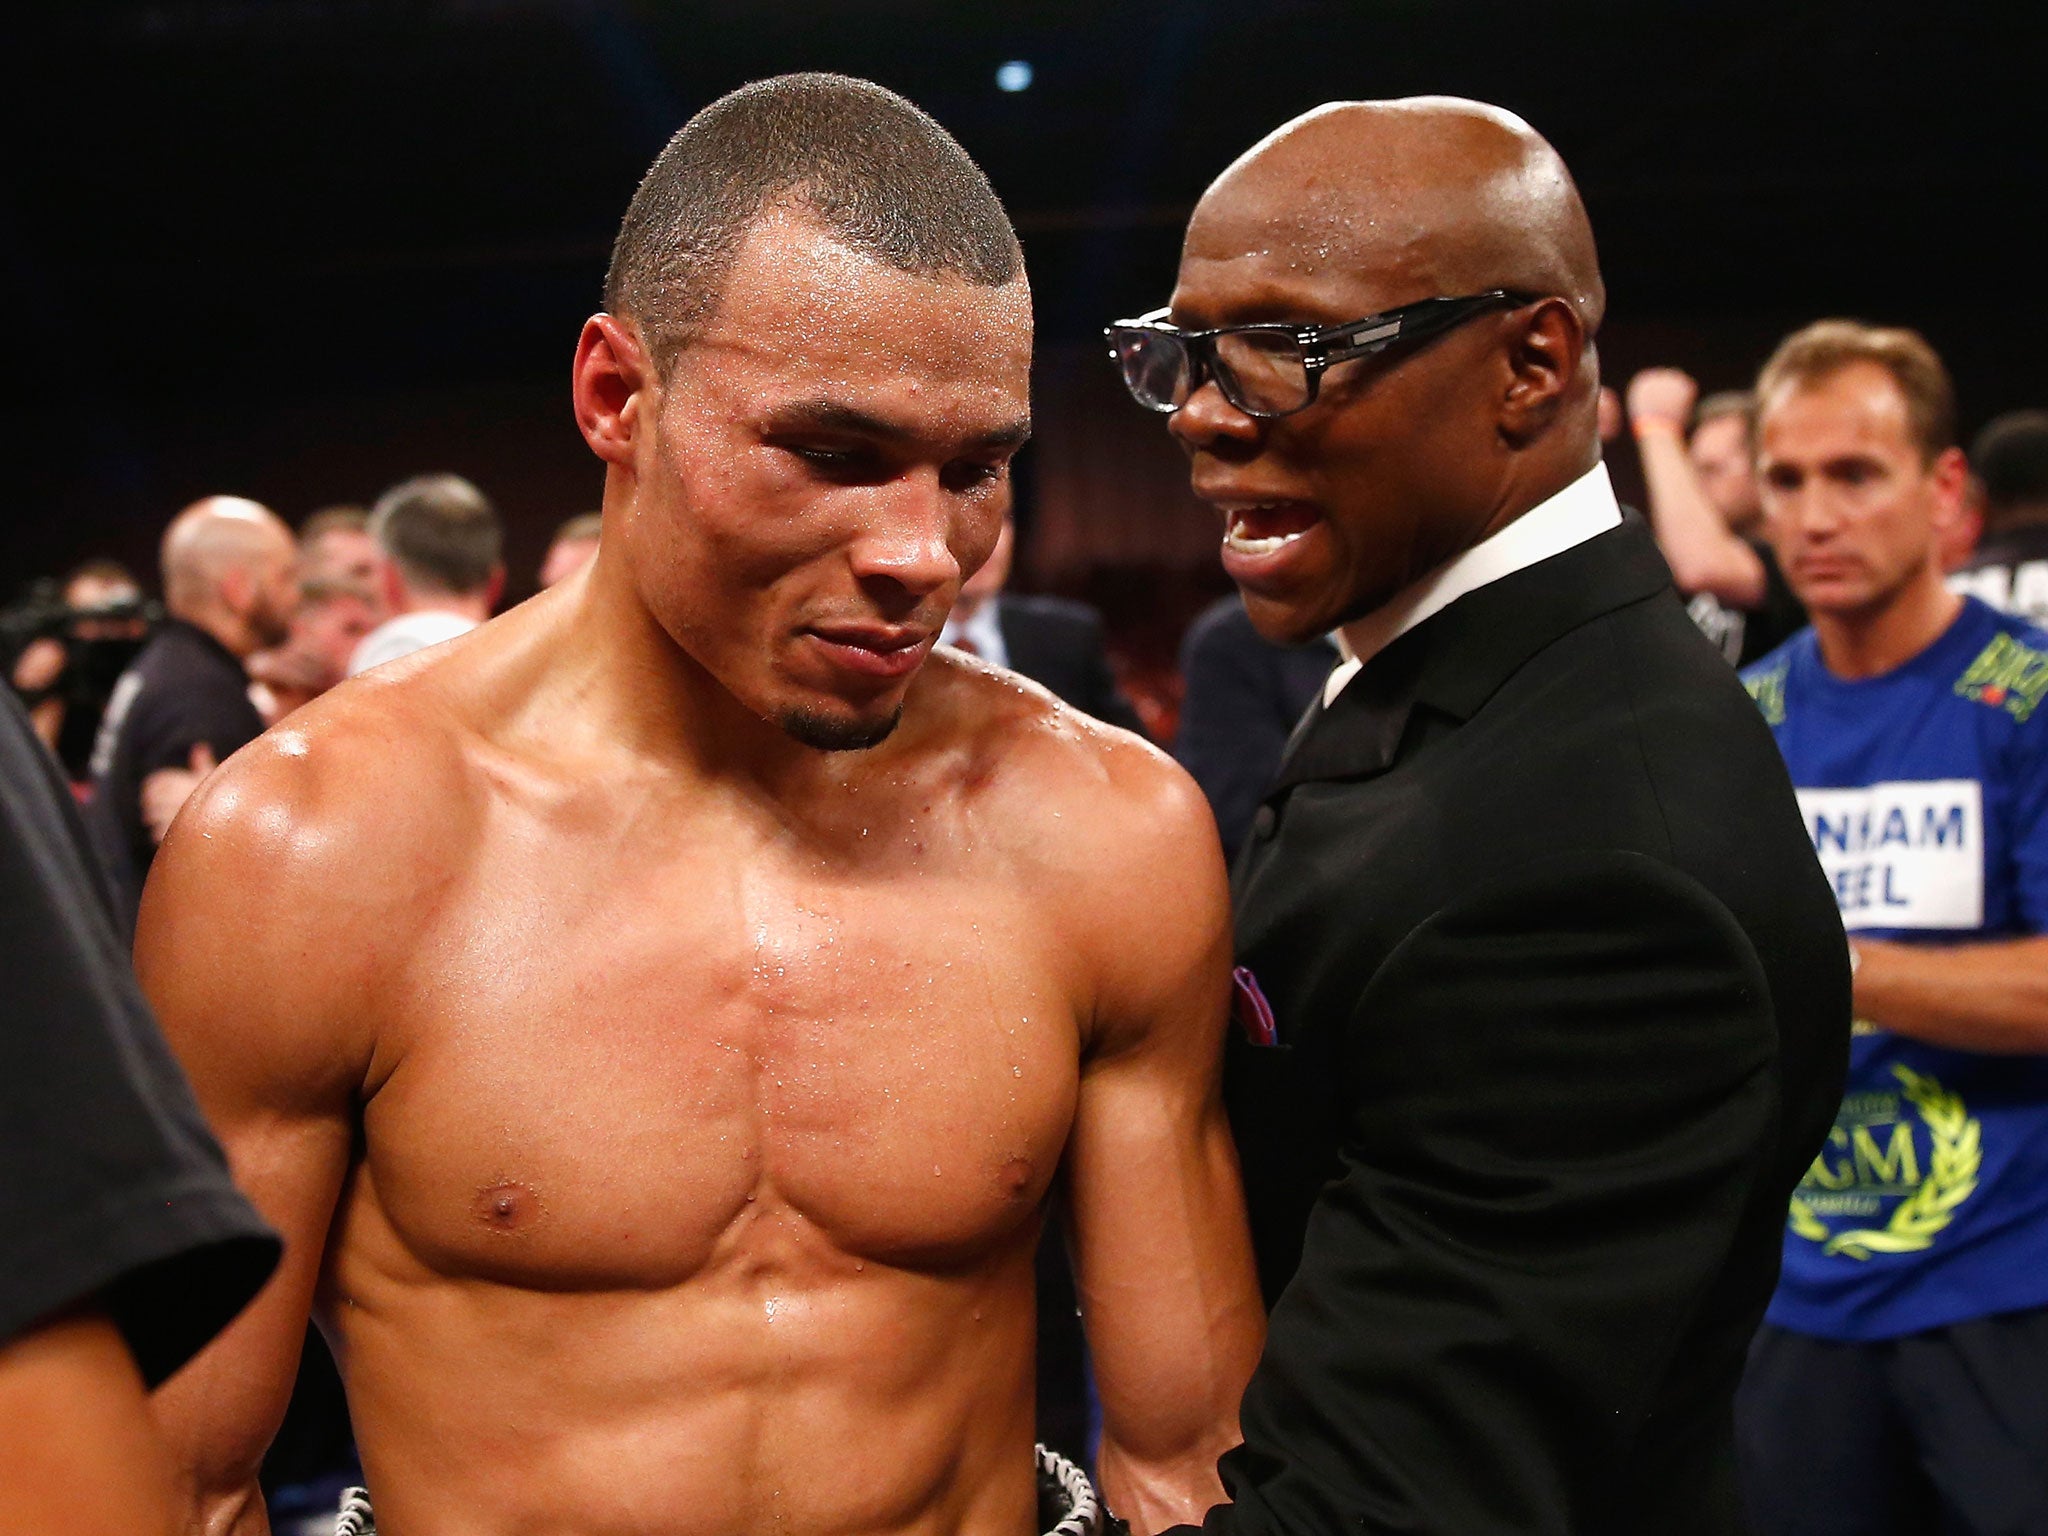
column 1455, row 660
column 1358, row 732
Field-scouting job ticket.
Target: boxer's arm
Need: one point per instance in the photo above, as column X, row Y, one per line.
column 234, row 951
column 1162, row 1258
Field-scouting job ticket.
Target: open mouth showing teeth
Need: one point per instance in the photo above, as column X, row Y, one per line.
column 1259, row 530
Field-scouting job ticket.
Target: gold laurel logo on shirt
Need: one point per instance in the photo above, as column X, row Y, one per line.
column 1955, row 1154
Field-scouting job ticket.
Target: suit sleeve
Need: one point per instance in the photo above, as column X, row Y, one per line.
column 1232, row 732
column 1566, row 1086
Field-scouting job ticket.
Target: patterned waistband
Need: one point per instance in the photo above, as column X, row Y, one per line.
column 1065, row 1498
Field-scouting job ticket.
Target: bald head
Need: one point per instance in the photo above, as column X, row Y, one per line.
column 1403, row 457
column 1430, row 195
column 212, row 538
column 227, row 567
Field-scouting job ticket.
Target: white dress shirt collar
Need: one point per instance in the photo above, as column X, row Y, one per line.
column 1582, row 510
column 983, row 627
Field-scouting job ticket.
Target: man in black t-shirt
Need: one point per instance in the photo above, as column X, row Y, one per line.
column 229, row 588
column 2009, row 462
column 126, row 1246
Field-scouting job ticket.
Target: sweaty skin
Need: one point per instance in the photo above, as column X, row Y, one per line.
column 661, row 1112
column 1414, row 455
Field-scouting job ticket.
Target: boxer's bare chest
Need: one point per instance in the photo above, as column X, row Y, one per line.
column 640, row 1052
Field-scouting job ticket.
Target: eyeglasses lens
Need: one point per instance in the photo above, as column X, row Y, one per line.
column 1262, row 371
column 1155, row 368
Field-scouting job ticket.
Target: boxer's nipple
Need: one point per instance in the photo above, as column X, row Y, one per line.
column 507, row 1206
column 1016, row 1177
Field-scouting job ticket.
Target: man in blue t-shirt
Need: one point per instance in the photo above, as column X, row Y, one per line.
column 1900, row 1383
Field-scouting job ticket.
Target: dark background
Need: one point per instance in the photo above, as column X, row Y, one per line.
column 297, row 249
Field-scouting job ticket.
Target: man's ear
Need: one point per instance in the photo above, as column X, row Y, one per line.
column 494, row 588
column 237, row 589
column 1546, row 349
column 612, row 384
column 1950, row 472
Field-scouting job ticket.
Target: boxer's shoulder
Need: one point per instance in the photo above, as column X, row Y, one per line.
column 273, row 906
column 323, row 802
column 1072, row 782
column 1008, row 716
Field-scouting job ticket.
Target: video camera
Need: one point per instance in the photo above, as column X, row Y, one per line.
column 98, row 644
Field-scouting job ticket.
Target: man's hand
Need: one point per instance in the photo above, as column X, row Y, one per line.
column 39, row 665
column 165, row 792
column 1661, row 398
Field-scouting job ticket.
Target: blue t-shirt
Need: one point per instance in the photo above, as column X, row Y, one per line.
column 1925, row 791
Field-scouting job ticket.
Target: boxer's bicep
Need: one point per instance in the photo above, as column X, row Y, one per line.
column 1162, row 1257
column 230, row 953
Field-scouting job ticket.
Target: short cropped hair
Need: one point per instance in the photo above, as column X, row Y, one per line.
column 441, row 532
column 331, row 520
column 1824, row 348
column 2010, row 460
column 879, row 174
column 585, row 525
column 1740, row 403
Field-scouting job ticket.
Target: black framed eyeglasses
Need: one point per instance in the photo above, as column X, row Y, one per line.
column 1272, row 369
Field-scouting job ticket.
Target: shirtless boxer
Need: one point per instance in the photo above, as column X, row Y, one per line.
column 656, row 1019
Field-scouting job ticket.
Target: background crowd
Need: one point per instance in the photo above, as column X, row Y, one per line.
column 351, row 587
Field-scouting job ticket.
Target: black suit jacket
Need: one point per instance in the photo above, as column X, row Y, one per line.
column 1058, row 643
column 1563, row 1008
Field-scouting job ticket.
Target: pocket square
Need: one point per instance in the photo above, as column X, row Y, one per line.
column 1249, row 1007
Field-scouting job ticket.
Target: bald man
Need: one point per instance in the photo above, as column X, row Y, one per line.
column 229, row 590
column 1545, row 1002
